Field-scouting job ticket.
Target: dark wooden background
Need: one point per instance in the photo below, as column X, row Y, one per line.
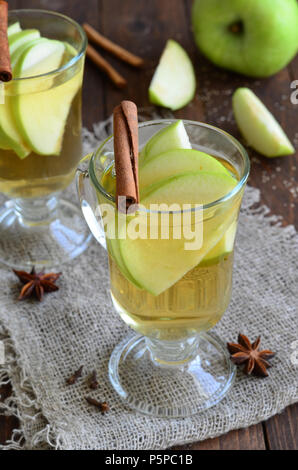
column 143, row 27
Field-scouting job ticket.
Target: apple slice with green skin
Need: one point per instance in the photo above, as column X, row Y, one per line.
column 224, row 247
column 41, row 57
column 114, row 250
column 14, row 28
column 10, row 139
column 258, row 125
column 172, row 137
column 196, row 187
column 175, row 162
column 18, row 39
column 174, row 82
column 158, row 264
column 41, row 115
column 14, row 57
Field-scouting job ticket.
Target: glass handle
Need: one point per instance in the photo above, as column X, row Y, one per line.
column 90, row 206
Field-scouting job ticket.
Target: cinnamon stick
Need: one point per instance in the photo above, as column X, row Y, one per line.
column 5, row 66
column 126, row 149
column 111, row 47
column 102, row 64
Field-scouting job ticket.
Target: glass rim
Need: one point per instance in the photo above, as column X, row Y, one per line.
column 203, row 207
column 73, row 60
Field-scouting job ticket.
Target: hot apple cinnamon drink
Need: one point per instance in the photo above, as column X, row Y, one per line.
column 171, row 272
column 40, row 115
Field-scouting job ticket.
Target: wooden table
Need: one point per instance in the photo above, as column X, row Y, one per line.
column 143, row 27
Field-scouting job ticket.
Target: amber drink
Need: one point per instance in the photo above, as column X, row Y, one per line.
column 171, row 262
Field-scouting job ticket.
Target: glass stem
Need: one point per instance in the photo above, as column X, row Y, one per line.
column 36, row 211
column 173, row 353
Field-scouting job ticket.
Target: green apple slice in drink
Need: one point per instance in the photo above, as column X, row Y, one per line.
column 42, row 57
column 142, row 256
column 41, row 114
column 195, row 187
column 114, row 250
column 10, row 138
column 14, row 57
column 223, row 248
column 13, row 29
column 18, row 39
column 258, row 125
column 174, row 83
column 172, row 137
column 175, row 162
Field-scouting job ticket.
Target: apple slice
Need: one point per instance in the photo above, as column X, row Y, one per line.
column 14, row 57
column 157, row 264
column 14, row 28
column 258, row 125
column 114, row 250
column 41, row 57
column 196, row 187
column 172, row 137
column 174, row 82
column 18, row 39
column 175, row 162
column 224, row 246
column 10, row 139
column 41, row 114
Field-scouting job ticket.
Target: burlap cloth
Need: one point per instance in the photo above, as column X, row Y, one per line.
column 45, row 343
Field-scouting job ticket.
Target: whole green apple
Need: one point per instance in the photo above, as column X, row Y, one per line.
column 253, row 37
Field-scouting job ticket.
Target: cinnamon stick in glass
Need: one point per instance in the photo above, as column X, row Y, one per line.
column 5, row 66
column 108, row 45
column 126, row 149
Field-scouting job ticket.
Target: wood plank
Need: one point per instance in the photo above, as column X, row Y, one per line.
column 282, row 430
column 7, row 423
column 241, row 439
column 93, row 88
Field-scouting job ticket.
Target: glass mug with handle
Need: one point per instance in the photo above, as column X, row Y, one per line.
column 169, row 294
column 40, row 140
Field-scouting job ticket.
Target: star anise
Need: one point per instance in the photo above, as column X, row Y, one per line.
column 37, row 283
column 247, row 353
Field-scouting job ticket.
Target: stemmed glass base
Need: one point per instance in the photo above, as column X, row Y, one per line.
column 45, row 232
column 171, row 379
